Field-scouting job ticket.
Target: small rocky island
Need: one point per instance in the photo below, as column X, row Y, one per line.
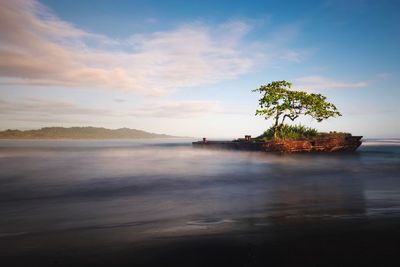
column 279, row 102
column 331, row 142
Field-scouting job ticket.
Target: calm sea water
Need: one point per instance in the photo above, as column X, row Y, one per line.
column 135, row 190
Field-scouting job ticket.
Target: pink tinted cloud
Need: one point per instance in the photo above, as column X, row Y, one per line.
column 37, row 48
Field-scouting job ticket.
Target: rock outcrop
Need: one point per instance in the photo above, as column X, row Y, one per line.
column 321, row 143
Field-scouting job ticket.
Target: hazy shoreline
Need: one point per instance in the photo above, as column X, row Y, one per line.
column 80, row 133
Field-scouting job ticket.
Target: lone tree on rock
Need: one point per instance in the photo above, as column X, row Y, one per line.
column 279, row 102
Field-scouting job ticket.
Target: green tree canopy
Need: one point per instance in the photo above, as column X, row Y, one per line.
column 279, row 102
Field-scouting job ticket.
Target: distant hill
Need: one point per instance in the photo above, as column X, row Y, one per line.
column 80, row 133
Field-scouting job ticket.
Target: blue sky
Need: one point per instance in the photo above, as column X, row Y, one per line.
column 188, row 67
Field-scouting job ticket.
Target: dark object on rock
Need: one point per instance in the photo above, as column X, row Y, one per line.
column 320, row 143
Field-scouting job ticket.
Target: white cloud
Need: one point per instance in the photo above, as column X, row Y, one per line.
column 37, row 48
column 178, row 109
column 38, row 107
column 312, row 83
column 54, row 110
column 33, row 112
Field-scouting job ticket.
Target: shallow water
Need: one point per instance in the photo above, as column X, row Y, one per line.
column 145, row 189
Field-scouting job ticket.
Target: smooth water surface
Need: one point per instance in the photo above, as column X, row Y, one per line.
column 136, row 190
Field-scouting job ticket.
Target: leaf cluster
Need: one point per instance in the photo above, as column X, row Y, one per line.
column 278, row 101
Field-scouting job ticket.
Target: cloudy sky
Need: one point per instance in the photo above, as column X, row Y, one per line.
column 188, row 67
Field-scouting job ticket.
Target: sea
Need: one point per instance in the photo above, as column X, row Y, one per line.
column 67, row 196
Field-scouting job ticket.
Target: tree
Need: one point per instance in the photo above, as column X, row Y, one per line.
column 279, row 102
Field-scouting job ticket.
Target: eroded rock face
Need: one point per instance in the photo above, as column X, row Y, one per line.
column 322, row 143
column 328, row 143
column 288, row 146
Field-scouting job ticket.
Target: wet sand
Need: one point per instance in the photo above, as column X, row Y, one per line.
column 350, row 242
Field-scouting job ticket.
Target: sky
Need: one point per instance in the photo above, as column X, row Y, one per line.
column 188, row 68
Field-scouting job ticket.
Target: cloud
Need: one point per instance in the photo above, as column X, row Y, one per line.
column 312, row 83
column 179, row 109
column 37, row 48
column 45, row 107
column 29, row 112
column 54, row 110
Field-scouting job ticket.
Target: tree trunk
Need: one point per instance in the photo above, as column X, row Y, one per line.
column 276, row 125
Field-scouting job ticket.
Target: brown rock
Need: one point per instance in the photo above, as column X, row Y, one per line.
column 323, row 143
